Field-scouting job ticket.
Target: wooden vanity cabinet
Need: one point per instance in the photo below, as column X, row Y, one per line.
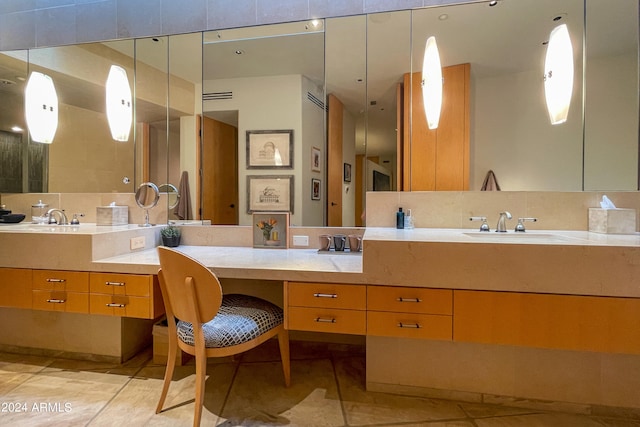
column 326, row 307
column 395, row 311
column 15, row 287
column 126, row 295
column 55, row 290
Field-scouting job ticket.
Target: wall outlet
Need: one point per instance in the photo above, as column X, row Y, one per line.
column 300, row 240
column 137, row 242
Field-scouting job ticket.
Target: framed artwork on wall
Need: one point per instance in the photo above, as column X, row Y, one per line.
column 270, row 149
column 347, row 172
column 315, row 189
column 271, row 230
column 315, row 159
column 269, row 193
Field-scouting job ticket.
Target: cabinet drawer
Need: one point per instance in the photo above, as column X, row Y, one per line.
column 120, row 305
column 410, row 300
column 327, row 320
column 54, row 280
column 410, row 325
column 15, row 287
column 120, row 284
column 69, row 302
column 328, row 295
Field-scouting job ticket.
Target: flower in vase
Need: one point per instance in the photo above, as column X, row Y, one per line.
column 266, row 226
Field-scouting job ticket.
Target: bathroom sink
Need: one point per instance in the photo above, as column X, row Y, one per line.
column 514, row 237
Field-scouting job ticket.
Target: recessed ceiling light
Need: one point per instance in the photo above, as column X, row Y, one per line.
column 359, row 80
column 559, row 17
column 443, row 17
column 239, row 52
column 493, row 3
column 17, row 129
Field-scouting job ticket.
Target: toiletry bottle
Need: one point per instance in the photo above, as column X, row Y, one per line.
column 408, row 220
column 400, row 219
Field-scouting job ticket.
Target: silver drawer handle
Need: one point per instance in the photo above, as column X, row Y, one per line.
column 56, row 301
column 400, row 299
column 321, row 320
column 112, row 304
column 325, row 295
column 114, row 283
column 409, row 325
column 56, row 280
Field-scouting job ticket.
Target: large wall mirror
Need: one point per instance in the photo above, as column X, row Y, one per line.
column 341, row 90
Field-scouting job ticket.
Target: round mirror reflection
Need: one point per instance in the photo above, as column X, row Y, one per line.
column 147, row 196
column 173, row 196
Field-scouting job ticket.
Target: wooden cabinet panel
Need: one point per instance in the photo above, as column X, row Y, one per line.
column 550, row 321
column 120, row 284
column 120, row 305
column 69, row 302
column 410, row 300
column 56, row 280
column 328, row 295
column 327, row 320
column 409, row 325
column 15, row 287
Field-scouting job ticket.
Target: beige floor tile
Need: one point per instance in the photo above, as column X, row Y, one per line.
column 258, row 396
column 475, row 410
column 362, row 407
column 539, row 420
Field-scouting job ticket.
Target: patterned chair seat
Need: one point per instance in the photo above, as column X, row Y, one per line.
column 240, row 318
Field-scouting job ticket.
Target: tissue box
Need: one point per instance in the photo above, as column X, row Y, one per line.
column 112, row 215
column 612, row 221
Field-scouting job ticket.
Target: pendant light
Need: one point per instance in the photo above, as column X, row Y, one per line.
column 558, row 74
column 119, row 108
column 41, row 107
column 432, row 83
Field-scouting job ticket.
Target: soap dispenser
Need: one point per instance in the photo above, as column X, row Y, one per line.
column 399, row 219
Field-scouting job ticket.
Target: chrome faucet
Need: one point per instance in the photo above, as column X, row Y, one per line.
column 62, row 217
column 501, row 227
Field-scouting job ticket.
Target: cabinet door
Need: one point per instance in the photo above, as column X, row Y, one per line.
column 15, row 287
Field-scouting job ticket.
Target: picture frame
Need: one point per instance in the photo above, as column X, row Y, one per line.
column 269, row 193
column 316, row 188
column 347, row 172
column 270, row 149
column 271, row 230
column 315, row 159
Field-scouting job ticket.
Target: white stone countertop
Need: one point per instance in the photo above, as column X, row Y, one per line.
column 82, row 229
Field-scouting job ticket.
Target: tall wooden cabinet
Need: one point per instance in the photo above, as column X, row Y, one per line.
column 437, row 159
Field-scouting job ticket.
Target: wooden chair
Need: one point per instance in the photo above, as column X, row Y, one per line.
column 205, row 323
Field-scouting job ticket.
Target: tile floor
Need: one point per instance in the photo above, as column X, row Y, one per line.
column 327, row 390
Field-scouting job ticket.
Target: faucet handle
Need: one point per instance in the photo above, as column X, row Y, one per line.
column 484, row 226
column 520, row 225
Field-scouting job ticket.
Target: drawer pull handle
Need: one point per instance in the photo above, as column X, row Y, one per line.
column 56, row 280
column 409, row 325
column 400, row 299
column 114, row 283
column 56, row 301
column 112, row 304
column 325, row 295
column 321, row 320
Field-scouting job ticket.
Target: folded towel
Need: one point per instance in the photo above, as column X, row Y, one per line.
column 183, row 208
column 490, row 182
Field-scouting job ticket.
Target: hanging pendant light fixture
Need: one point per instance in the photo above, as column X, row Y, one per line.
column 432, row 83
column 41, row 107
column 119, row 108
column 558, row 74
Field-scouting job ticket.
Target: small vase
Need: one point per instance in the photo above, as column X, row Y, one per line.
column 171, row 242
column 266, row 236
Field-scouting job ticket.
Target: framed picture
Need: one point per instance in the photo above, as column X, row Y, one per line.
column 270, row 149
column 271, row 230
column 315, row 159
column 315, row 189
column 269, row 193
column 347, row 172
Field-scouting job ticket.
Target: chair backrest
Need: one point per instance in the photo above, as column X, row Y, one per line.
column 177, row 270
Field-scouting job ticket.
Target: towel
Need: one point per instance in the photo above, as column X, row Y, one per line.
column 490, row 182
column 183, row 208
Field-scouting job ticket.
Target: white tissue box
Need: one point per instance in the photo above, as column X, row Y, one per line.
column 612, row 221
column 112, row 215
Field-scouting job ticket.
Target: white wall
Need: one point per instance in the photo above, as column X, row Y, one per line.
column 313, row 135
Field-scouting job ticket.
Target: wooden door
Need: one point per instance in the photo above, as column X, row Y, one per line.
column 334, row 162
column 219, row 172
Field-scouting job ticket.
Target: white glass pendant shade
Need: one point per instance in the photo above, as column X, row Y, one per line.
column 558, row 74
column 41, row 107
column 432, row 83
column 119, row 108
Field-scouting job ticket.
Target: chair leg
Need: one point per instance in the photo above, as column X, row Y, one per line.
column 283, row 342
column 168, row 373
column 201, row 372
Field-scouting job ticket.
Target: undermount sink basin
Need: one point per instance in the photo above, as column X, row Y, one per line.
column 514, row 237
